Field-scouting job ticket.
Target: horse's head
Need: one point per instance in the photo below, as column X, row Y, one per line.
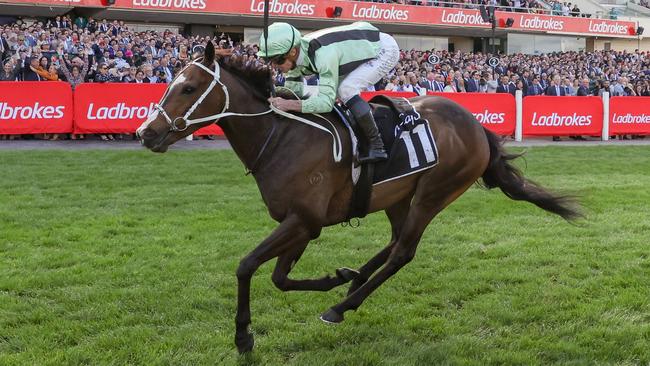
column 194, row 99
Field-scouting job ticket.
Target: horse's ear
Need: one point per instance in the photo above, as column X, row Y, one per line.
column 208, row 58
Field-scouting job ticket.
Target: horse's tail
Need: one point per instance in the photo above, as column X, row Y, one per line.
column 500, row 173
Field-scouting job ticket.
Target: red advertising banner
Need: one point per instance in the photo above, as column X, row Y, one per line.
column 117, row 107
column 391, row 13
column 35, row 107
column 561, row 116
column 629, row 115
column 371, row 12
column 496, row 112
column 93, row 3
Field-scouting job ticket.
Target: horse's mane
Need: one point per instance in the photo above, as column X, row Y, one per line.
column 255, row 74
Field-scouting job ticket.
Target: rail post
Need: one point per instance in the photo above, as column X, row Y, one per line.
column 519, row 116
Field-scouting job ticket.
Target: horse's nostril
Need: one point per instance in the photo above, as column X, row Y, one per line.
column 148, row 134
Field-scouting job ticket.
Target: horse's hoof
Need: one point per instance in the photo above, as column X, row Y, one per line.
column 348, row 274
column 331, row 317
column 244, row 343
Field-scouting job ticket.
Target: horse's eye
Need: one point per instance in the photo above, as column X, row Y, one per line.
column 188, row 90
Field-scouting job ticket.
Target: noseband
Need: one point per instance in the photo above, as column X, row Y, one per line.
column 180, row 124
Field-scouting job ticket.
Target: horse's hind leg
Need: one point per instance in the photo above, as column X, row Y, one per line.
column 402, row 253
column 285, row 265
column 428, row 201
column 396, row 215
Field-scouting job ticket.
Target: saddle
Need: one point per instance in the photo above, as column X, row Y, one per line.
column 407, row 138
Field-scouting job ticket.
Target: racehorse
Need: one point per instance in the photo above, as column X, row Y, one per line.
column 306, row 190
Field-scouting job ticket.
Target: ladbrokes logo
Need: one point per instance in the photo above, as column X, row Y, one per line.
column 488, row 118
column 374, row 12
column 540, row 23
column 630, row 118
column 289, row 7
column 36, row 111
column 462, row 18
column 557, row 120
column 119, row 111
column 608, row 28
column 171, row 4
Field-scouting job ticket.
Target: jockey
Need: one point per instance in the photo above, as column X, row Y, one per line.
column 347, row 60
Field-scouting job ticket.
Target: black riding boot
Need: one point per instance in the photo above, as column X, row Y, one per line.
column 361, row 111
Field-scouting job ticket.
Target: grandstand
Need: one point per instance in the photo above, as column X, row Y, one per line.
column 598, row 44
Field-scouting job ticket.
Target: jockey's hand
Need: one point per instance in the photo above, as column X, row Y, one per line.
column 286, row 105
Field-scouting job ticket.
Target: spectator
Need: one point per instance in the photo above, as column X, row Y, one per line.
column 583, row 89
column 439, row 85
column 76, row 75
column 28, row 68
column 104, row 76
column 129, row 74
column 568, row 87
column 490, row 84
column 535, row 87
column 616, row 89
column 49, row 74
column 148, row 74
column 8, row 73
column 164, row 70
column 139, row 78
column 505, row 86
column 429, row 82
column 392, row 84
column 473, row 84
column 450, row 85
column 555, row 89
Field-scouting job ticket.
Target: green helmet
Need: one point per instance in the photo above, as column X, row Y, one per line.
column 282, row 38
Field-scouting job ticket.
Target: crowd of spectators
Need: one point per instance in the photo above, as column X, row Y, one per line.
column 550, row 7
column 621, row 73
column 86, row 50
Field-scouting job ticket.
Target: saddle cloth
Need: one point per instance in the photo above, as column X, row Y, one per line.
column 407, row 138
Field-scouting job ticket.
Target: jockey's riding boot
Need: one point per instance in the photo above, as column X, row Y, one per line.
column 363, row 114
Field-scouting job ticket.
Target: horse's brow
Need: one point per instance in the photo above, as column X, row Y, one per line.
column 180, row 79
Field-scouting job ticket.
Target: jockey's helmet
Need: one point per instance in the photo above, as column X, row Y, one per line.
column 282, row 37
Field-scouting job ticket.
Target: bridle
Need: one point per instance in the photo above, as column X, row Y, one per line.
column 174, row 126
column 180, row 124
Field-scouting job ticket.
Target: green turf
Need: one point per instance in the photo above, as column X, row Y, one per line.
column 129, row 257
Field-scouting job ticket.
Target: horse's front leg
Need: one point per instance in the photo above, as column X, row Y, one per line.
column 288, row 260
column 284, row 238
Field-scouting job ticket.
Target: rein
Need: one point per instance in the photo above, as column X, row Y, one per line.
column 180, row 124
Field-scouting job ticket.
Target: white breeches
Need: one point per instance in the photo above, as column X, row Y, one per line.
column 371, row 72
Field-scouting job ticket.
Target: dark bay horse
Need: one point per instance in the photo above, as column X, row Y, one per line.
column 306, row 190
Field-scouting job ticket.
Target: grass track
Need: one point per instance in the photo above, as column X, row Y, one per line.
column 129, row 258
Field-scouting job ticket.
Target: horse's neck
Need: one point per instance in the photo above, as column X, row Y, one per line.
column 246, row 135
